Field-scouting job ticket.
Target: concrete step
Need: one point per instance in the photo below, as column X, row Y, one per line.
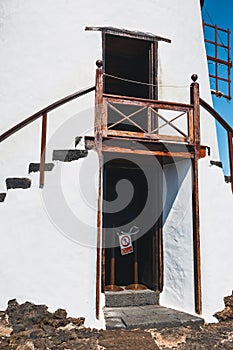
column 35, row 167
column 2, row 197
column 131, row 298
column 77, row 140
column 69, row 155
column 148, row 316
column 18, row 182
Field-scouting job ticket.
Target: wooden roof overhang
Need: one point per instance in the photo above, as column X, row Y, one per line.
column 128, row 33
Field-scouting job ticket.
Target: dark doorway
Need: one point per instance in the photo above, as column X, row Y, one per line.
column 130, row 66
column 134, row 208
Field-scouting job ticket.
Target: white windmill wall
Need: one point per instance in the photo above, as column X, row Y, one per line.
column 45, row 55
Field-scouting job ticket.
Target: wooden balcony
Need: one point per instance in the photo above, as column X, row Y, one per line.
column 121, row 120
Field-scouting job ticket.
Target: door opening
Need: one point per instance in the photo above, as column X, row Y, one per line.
column 130, row 69
column 126, row 192
column 130, row 66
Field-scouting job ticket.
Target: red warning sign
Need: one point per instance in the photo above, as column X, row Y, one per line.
column 125, row 244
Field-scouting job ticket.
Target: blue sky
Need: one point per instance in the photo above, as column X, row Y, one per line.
column 221, row 13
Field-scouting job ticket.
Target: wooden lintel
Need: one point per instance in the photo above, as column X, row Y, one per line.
column 146, row 152
column 147, row 147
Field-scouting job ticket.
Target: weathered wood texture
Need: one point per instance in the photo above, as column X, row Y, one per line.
column 149, row 130
column 146, row 152
column 98, row 143
column 142, row 101
column 43, row 149
column 194, row 95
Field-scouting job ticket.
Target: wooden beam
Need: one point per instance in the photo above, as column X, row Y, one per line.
column 145, row 152
column 98, row 146
column 99, row 97
column 196, row 240
column 128, row 33
column 143, row 101
column 43, row 149
column 194, row 95
column 145, row 136
column 98, row 247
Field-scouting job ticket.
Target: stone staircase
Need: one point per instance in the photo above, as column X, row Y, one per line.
column 58, row 155
column 141, row 309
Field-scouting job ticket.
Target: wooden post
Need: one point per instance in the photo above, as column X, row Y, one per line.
column 103, row 280
column 194, row 97
column 194, row 94
column 99, row 98
column 135, row 285
column 230, row 148
column 112, row 287
column 43, row 149
column 190, row 126
column 98, row 145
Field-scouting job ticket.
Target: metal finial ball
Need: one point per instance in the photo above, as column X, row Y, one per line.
column 194, row 77
column 99, row 63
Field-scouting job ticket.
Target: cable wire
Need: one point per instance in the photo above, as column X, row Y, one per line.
column 142, row 83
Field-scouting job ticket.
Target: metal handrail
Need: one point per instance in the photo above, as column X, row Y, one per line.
column 43, row 113
column 229, row 130
column 216, row 115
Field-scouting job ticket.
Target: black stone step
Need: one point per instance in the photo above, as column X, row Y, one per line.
column 131, row 298
column 34, row 167
column 2, row 197
column 69, row 155
column 18, row 182
column 148, row 316
column 77, row 140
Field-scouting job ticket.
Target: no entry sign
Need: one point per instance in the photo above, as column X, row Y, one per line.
column 125, row 243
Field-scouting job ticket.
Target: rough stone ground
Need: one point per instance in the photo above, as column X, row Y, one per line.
column 33, row 327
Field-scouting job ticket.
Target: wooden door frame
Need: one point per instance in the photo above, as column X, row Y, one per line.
column 153, row 60
column 157, row 247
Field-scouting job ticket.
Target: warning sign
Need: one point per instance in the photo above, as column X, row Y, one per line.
column 125, row 243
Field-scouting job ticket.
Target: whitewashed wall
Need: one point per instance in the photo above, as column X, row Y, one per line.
column 45, row 55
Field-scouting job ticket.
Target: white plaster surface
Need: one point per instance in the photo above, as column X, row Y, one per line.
column 46, row 55
column 178, row 237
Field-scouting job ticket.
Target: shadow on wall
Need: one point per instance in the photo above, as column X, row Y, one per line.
column 174, row 175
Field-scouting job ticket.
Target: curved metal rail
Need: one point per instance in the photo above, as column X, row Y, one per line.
column 43, row 113
column 229, row 131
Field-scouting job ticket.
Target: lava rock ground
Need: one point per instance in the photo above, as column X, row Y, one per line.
column 33, row 327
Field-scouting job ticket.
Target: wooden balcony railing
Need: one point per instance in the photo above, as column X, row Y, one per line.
column 124, row 116
column 130, row 117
